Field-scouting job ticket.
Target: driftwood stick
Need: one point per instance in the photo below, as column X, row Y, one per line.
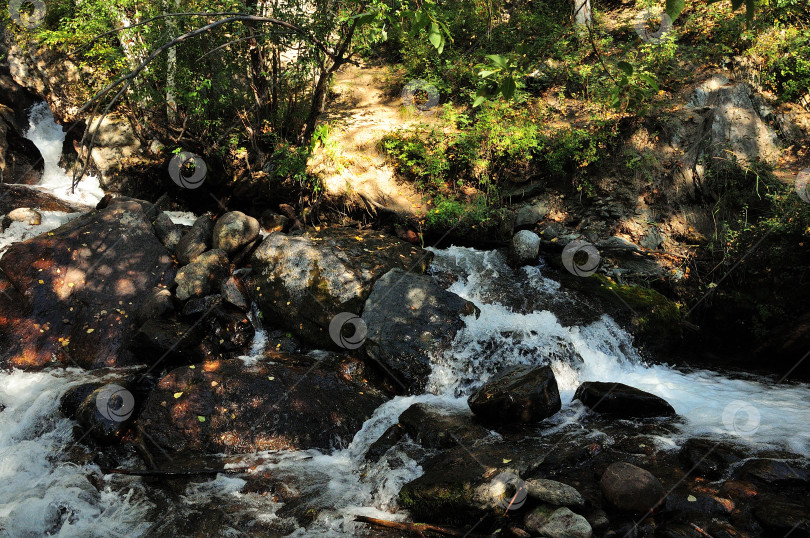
column 169, row 472
column 412, row 527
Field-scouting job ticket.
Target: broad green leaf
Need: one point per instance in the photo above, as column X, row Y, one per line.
column 651, row 81
column 436, row 38
column 508, row 87
column 478, row 101
column 498, row 60
column 626, row 67
column 674, row 8
column 485, row 73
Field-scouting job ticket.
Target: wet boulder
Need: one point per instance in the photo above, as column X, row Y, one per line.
column 169, row 340
column 167, row 231
column 233, row 231
column 409, row 317
column 776, row 472
column 72, row 295
column 234, row 292
column 524, row 249
column 631, row 489
column 26, row 215
column 465, row 482
column 158, row 303
column 103, row 409
column 517, row 394
column 273, row 222
column 622, row 400
column 562, row 522
column 305, row 280
column 203, row 275
column 708, row 458
column 107, row 412
column 283, row 402
column 196, row 240
column 14, row 196
column 782, row 517
column 436, row 427
column 554, row 493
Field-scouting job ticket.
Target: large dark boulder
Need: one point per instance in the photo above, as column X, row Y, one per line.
column 409, row 318
column 622, row 400
column 196, row 240
column 19, row 99
column 304, row 281
column 72, row 295
column 285, row 402
column 203, row 275
column 518, row 394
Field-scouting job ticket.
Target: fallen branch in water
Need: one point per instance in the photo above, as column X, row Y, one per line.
column 171, row 472
column 412, row 527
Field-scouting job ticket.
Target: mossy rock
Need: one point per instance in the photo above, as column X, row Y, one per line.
column 653, row 319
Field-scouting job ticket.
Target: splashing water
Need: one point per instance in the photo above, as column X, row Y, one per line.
column 40, row 494
column 753, row 410
column 48, row 136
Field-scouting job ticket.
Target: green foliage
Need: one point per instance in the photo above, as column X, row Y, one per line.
column 786, row 54
column 461, row 215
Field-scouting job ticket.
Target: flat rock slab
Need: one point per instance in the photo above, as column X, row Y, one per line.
column 303, row 281
column 459, row 483
column 71, row 295
column 14, row 196
column 284, row 402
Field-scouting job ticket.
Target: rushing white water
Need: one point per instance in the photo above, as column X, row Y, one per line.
column 49, row 136
column 755, row 411
column 40, row 492
column 20, row 231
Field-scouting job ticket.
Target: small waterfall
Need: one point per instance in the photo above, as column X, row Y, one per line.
column 48, row 136
column 260, row 336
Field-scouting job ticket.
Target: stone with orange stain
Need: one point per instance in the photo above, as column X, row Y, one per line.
column 89, row 267
column 284, row 402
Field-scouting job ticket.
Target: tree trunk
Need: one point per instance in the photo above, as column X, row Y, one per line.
column 171, row 71
column 582, row 12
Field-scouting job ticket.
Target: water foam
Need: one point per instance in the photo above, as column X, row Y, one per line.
column 49, row 137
